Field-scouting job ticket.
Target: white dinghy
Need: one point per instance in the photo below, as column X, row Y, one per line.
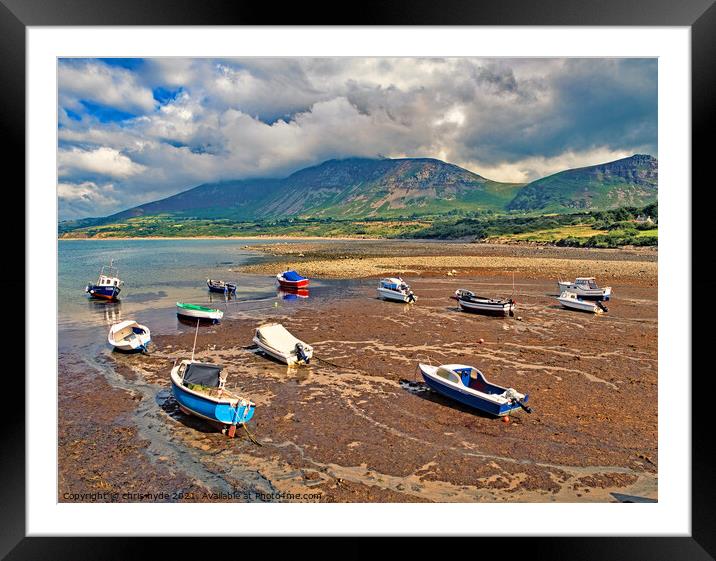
column 586, row 287
column 276, row 341
column 396, row 289
column 129, row 336
column 574, row 302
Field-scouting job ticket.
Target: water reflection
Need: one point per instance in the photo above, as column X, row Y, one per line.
column 108, row 311
column 292, row 293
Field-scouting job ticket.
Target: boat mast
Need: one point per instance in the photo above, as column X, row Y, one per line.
column 195, row 335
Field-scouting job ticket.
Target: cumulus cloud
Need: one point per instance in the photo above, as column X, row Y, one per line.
column 100, row 161
column 190, row 121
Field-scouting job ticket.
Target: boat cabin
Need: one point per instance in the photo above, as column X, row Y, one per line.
column 586, row 282
column 109, row 276
column 394, row 284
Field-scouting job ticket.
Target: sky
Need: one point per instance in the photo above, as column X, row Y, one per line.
column 131, row 131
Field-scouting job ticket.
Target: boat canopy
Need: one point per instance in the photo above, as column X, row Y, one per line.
column 293, row 276
column 278, row 337
column 203, row 374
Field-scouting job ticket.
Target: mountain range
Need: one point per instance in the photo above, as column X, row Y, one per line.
column 385, row 188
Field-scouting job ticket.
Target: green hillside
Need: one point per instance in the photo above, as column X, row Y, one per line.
column 627, row 182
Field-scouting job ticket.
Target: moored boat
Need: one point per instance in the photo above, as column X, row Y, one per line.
column 199, row 312
column 586, row 288
column 470, row 302
column 276, row 341
column 108, row 284
column 200, row 390
column 467, row 385
column 220, row 286
column 574, row 302
column 129, row 336
column 396, row 289
column 291, row 279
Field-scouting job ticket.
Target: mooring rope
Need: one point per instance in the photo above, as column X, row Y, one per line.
column 251, row 436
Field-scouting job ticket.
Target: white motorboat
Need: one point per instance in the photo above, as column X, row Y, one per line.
column 572, row 301
column 129, row 336
column 276, row 341
column 586, row 287
column 396, row 289
column 470, row 302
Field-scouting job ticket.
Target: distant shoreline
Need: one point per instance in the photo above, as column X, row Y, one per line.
column 260, row 237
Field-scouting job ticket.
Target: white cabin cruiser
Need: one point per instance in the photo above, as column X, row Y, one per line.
column 573, row 301
column 587, row 288
column 396, row 289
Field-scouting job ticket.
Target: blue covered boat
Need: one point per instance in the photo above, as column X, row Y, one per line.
column 468, row 385
column 199, row 388
column 107, row 286
column 291, row 279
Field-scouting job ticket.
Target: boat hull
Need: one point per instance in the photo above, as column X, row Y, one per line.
column 486, row 308
column 211, row 410
column 395, row 296
column 580, row 306
column 213, row 316
column 102, row 292
column 473, row 401
column 283, row 283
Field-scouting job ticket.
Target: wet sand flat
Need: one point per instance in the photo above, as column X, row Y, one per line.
column 359, row 432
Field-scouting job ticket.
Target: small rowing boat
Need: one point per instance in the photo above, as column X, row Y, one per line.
column 574, row 302
column 129, row 336
column 470, row 302
column 108, row 284
column 291, row 279
column 199, row 312
column 468, row 385
column 586, row 288
column 199, row 388
column 276, row 341
column 221, row 286
column 396, row 289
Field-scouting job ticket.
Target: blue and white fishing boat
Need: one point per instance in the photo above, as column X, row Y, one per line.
column 108, row 284
column 468, row 385
column 199, row 388
column 221, row 287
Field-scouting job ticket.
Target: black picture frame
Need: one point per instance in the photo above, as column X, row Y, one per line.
column 699, row 15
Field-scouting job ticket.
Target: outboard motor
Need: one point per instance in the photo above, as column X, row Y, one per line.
column 301, row 353
column 411, row 296
column 602, row 306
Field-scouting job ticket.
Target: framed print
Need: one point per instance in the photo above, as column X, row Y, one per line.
column 399, row 276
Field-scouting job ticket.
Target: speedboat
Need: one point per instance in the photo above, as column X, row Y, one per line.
column 468, row 385
column 470, row 302
column 574, row 302
column 396, row 289
column 108, row 284
column 291, row 279
column 221, row 286
column 129, row 336
column 199, row 312
column 199, row 388
column 276, row 341
column 586, row 287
